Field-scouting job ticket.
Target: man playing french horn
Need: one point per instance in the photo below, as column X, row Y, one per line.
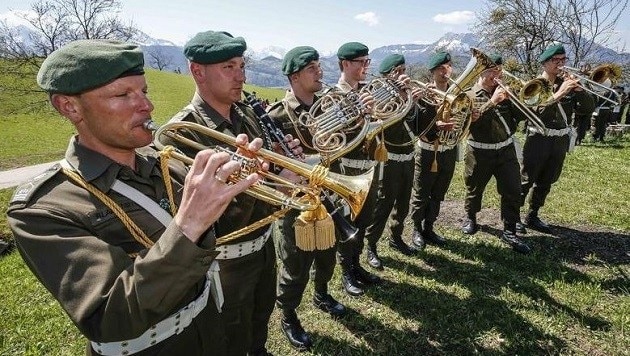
column 301, row 66
column 434, row 163
column 491, row 152
column 396, row 174
column 248, row 264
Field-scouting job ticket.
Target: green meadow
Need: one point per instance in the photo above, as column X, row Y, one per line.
column 571, row 296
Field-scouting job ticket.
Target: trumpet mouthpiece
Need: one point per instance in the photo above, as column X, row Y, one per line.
column 150, row 125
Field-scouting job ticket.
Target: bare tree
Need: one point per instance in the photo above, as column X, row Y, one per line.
column 54, row 23
column 522, row 29
column 157, row 58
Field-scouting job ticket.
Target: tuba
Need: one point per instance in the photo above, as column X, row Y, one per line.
column 304, row 197
column 457, row 106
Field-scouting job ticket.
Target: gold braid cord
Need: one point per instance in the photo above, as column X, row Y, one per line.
column 315, row 229
column 223, row 240
column 135, row 231
column 165, row 154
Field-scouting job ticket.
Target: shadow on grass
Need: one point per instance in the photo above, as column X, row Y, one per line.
column 486, row 320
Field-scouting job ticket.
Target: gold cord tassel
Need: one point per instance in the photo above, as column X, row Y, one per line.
column 314, row 230
column 434, row 165
column 380, row 152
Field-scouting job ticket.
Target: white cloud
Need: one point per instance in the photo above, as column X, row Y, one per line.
column 368, row 17
column 455, row 17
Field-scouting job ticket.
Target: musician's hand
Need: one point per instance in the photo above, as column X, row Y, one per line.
column 417, row 94
column 404, row 78
column 291, row 177
column 569, row 84
column 207, row 193
column 368, row 102
column 499, row 95
column 475, row 115
column 295, row 145
column 444, row 125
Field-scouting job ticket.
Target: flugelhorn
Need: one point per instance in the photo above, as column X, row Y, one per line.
column 303, row 197
column 596, row 78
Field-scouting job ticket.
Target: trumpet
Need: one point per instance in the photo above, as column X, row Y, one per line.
column 303, row 197
column 530, row 93
column 596, row 79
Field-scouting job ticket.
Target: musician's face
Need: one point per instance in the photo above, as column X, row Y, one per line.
column 443, row 72
column 309, row 77
column 489, row 76
column 222, row 81
column 358, row 68
column 554, row 64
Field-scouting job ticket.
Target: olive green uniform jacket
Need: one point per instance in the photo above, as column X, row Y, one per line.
column 80, row 251
column 249, row 281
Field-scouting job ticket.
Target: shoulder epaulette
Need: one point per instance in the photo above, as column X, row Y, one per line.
column 25, row 191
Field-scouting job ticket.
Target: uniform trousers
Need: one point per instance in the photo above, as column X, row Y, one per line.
column 483, row 164
column 429, row 188
column 393, row 195
column 294, row 270
column 249, row 289
column 543, row 158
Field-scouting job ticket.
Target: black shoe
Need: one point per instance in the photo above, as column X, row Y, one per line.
column 509, row 237
column 292, row 329
column 432, row 238
column 365, row 277
column 373, row 260
column 402, row 247
column 350, row 284
column 534, row 222
column 328, row 304
column 470, row 227
column 418, row 240
column 520, row 228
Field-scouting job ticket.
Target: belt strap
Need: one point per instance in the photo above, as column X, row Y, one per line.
column 429, row 146
column 491, row 146
column 231, row 251
column 161, row 331
column 400, row 157
column 551, row 132
column 148, row 204
column 357, row 163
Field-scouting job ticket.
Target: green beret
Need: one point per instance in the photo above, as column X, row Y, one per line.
column 299, row 57
column 214, row 47
column 87, row 64
column 497, row 59
column 390, row 62
column 437, row 59
column 550, row 52
column 352, row 50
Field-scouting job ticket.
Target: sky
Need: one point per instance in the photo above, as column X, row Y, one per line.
column 323, row 24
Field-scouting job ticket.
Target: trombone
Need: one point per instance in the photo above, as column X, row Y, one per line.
column 595, row 79
column 530, row 93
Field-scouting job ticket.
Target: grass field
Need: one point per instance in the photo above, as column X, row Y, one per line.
column 571, row 296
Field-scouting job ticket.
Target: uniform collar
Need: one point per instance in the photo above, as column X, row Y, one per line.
column 209, row 114
column 478, row 89
column 294, row 103
column 100, row 170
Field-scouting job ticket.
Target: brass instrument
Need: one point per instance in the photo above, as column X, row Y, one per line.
column 457, row 106
column 303, row 197
column 336, row 115
column 530, row 93
column 596, row 79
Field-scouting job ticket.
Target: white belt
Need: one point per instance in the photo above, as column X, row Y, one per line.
column 400, row 157
column 551, row 132
column 491, row 146
column 363, row 164
column 430, row 147
column 228, row 252
column 166, row 328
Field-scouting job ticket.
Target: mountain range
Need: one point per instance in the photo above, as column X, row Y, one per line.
column 263, row 65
